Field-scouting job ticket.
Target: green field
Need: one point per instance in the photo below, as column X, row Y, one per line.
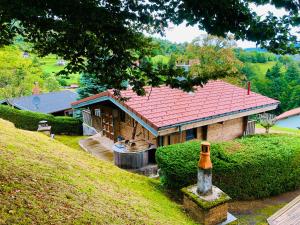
column 43, row 181
column 260, row 69
column 49, row 65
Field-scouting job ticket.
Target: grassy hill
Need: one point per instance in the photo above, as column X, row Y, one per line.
column 42, row 181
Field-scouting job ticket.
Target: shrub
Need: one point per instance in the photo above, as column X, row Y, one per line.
column 28, row 120
column 251, row 167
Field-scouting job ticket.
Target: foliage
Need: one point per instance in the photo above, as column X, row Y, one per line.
column 89, row 85
column 251, row 167
column 254, row 56
column 208, row 55
column 164, row 47
column 43, row 182
column 51, row 83
column 28, row 120
column 109, row 39
column 17, row 74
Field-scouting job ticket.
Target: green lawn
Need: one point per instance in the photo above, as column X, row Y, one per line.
column 281, row 129
column 70, row 141
column 43, row 181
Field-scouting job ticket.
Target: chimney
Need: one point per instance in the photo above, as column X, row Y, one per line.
column 249, row 87
column 36, row 88
column 206, row 203
column 204, row 183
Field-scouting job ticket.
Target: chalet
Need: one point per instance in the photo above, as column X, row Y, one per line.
column 55, row 103
column 217, row 111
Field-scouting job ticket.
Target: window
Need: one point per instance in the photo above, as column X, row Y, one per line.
column 161, row 141
column 204, row 132
column 122, row 116
column 98, row 112
column 191, row 134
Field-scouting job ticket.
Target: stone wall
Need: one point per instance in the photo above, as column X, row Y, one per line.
column 226, row 130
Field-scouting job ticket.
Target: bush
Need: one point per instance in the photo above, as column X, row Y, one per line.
column 252, row 167
column 28, row 120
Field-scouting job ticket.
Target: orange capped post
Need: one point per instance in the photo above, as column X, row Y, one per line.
column 204, row 161
column 204, row 181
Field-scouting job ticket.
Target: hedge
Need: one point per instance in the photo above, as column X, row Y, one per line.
column 28, row 120
column 248, row 168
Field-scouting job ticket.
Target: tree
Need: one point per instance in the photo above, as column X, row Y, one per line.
column 17, row 74
column 213, row 58
column 105, row 38
column 51, row 83
column 89, row 86
column 267, row 121
column 293, row 73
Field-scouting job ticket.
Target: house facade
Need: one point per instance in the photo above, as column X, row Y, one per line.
column 218, row 111
column 289, row 119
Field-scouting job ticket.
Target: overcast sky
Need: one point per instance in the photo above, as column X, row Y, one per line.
column 182, row 33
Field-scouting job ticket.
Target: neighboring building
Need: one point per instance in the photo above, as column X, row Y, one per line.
column 217, row 111
column 55, row 103
column 186, row 66
column 289, row 119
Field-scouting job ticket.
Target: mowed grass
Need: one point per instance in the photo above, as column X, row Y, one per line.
column 281, row 129
column 43, row 181
column 71, row 141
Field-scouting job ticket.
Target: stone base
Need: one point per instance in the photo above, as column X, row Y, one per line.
column 150, row 171
column 207, row 210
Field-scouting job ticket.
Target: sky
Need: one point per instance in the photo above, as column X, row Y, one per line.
column 182, row 33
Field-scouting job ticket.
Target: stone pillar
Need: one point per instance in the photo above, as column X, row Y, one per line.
column 204, row 202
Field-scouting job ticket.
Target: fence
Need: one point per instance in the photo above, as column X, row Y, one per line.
column 250, row 129
column 86, row 117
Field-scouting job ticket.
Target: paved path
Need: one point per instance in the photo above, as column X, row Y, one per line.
column 98, row 146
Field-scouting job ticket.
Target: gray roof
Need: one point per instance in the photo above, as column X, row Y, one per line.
column 46, row 103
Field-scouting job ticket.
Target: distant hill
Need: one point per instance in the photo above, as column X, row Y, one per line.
column 42, row 181
column 255, row 50
column 295, row 57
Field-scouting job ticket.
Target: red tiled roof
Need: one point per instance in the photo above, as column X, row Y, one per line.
column 289, row 113
column 167, row 106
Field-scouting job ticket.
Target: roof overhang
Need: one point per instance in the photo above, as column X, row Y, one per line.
column 215, row 119
column 122, row 107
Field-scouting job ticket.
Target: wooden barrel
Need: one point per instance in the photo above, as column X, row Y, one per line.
column 131, row 160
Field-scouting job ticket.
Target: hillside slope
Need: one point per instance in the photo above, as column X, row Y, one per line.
column 45, row 182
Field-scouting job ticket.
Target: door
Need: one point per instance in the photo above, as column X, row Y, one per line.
column 107, row 125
